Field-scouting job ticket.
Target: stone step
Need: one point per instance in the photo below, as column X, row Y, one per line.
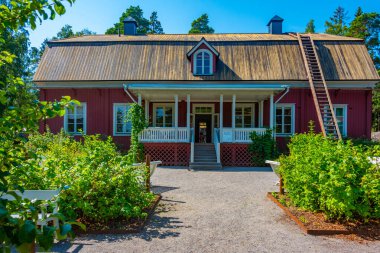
column 207, row 160
column 205, row 166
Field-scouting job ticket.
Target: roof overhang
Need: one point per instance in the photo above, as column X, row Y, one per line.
column 206, row 92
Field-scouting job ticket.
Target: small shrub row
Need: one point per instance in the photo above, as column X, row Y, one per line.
column 101, row 183
column 335, row 177
column 263, row 147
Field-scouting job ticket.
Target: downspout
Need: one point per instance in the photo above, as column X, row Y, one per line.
column 125, row 86
column 278, row 100
column 283, row 95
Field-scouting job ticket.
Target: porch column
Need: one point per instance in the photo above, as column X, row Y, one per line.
column 188, row 117
column 221, row 118
column 139, row 99
column 271, row 112
column 147, row 110
column 233, row 116
column 261, row 113
column 176, row 116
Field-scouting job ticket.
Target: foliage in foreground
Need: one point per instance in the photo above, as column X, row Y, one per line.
column 101, row 183
column 335, row 177
column 263, row 147
column 19, row 116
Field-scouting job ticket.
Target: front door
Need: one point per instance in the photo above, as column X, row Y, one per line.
column 203, row 126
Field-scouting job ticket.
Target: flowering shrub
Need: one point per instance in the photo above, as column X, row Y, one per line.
column 335, row 177
column 101, row 183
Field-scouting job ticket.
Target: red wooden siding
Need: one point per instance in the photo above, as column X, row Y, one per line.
column 100, row 110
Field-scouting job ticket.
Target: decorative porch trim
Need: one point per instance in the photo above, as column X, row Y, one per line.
column 171, row 154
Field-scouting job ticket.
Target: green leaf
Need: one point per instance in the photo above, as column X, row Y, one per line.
column 65, row 229
column 59, row 8
column 46, row 239
column 27, row 232
column 81, row 225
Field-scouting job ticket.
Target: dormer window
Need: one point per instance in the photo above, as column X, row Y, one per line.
column 203, row 63
column 203, row 58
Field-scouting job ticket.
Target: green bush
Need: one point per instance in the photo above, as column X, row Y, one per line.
column 101, row 183
column 263, row 147
column 335, row 177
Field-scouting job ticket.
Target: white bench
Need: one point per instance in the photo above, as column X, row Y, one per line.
column 48, row 195
column 153, row 165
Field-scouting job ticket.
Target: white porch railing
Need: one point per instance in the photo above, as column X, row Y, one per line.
column 165, row 134
column 217, row 144
column 192, row 141
column 240, row 135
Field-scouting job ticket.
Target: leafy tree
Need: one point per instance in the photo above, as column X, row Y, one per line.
column 200, row 25
column 337, row 24
column 144, row 25
column 155, row 25
column 310, row 27
column 358, row 12
column 366, row 26
column 65, row 33
column 20, row 114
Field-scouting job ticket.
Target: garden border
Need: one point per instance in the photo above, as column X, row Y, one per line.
column 140, row 227
column 302, row 226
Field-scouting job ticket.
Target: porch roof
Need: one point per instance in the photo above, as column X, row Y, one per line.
column 206, row 92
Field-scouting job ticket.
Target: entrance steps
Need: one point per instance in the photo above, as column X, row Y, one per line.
column 205, row 157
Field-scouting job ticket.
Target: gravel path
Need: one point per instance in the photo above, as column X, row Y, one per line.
column 216, row 211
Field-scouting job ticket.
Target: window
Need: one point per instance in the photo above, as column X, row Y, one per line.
column 341, row 118
column 120, row 125
column 75, row 119
column 284, row 119
column 204, row 109
column 203, row 63
column 244, row 116
column 163, row 115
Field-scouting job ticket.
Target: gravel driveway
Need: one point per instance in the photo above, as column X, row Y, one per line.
column 216, row 211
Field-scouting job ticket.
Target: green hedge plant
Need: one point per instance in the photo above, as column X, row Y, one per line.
column 263, row 147
column 335, row 177
column 102, row 185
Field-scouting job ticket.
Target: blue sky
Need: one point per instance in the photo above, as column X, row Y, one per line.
column 246, row 16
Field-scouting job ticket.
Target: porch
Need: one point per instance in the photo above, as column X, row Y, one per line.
column 211, row 114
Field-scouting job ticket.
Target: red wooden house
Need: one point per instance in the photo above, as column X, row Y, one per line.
column 204, row 93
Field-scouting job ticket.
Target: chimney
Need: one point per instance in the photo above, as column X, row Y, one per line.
column 275, row 25
column 130, row 26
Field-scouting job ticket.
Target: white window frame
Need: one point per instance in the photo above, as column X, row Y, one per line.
column 293, row 115
column 155, row 105
column 252, row 114
column 203, row 65
column 344, row 107
column 115, row 106
column 65, row 119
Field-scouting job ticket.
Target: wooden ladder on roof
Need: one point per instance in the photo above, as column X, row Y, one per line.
column 321, row 97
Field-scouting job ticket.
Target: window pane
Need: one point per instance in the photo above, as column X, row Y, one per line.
column 168, row 117
column 287, row 120
column 70, row 128
column 198, row 70
column 339, row 112
column 159, row 116
column 247, row 121
column 207, row 70
column 287, row 129
column 287, row 111
column 239, row 121
column 278, row 119
column 247, row 110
